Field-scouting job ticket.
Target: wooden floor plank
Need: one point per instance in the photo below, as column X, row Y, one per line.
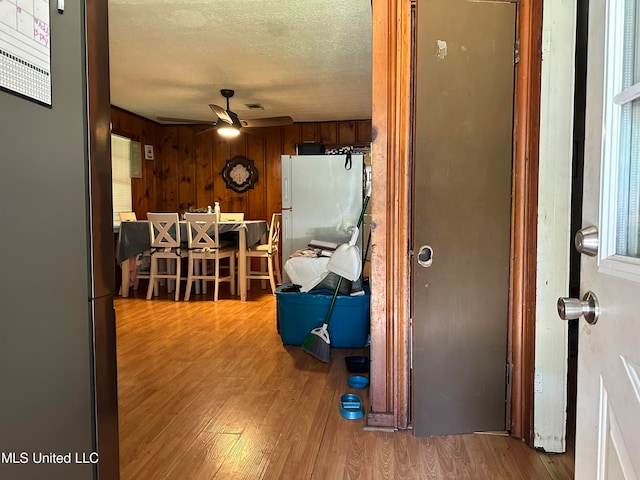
column 208, row 391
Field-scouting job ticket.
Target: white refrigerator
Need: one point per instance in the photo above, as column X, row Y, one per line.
column 321, row 199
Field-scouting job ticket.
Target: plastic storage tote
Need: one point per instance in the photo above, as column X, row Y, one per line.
column 299, row 313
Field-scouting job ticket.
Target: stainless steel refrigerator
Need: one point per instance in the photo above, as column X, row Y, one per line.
column 58, row 396
column 321, row 199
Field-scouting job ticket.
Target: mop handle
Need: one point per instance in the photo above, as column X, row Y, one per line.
column 333, row 300
column 364, row 206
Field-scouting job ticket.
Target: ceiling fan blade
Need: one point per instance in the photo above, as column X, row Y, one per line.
column 221, row 113
column 184, row 120
column 253, row 131
column 205, row 130
column 268, row 122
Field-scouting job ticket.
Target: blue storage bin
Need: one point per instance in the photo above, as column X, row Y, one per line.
column 299, row 313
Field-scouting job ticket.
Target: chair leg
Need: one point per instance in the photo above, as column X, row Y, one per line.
column 187, row 292
column 178, row 266
column 138, row 261
column 153, row 271
column 216, row 283
column 170, row 271
column 276, row 259
column 248, row 275
column 200, row 267
column 272, row 280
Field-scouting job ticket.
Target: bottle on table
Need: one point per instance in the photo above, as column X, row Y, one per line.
column 216, row 210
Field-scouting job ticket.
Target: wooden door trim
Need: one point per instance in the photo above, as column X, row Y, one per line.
column 391, row 211
column 104, row 348
column 525, row 218
column 391, row 125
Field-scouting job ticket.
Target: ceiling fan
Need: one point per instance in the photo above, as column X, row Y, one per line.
column 228, row 124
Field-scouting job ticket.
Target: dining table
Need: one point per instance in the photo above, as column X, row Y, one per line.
column 134, row 239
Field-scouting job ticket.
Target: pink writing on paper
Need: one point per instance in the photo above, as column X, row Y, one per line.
column 40, row 32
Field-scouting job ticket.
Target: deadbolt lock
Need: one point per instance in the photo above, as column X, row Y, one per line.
column 586, row 241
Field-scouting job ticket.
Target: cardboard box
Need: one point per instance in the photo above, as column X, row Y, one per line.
column 299, row 313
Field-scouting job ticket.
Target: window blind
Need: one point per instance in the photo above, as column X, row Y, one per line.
column 120, row 176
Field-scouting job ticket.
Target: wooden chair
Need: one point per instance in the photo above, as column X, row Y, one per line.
column 164, row 231
column 232, row 217
column 141, row 261
column 127, row 216
column 204, row 247
column 268, row 255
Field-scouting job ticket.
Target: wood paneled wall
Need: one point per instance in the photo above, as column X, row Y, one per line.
column 186, row 170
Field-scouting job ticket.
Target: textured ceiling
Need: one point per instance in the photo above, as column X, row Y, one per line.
column 308, row 59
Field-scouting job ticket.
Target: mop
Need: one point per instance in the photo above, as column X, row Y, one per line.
column 346, row 263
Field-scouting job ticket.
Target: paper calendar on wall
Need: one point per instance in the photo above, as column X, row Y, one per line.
column 25, row 55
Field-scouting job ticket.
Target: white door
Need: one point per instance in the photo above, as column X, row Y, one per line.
column 608, row 402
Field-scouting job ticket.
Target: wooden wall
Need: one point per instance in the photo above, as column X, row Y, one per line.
column 186, row 170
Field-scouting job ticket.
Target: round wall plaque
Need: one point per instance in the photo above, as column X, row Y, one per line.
column 239, row 174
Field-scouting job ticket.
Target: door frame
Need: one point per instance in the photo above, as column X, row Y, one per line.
column 104, row 333
column 392, row 151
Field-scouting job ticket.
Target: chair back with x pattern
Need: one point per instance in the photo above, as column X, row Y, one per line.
column 164, row 230
column 202, row 231
column 164, row 237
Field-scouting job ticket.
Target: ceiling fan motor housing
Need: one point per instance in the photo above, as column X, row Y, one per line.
column 227, row 93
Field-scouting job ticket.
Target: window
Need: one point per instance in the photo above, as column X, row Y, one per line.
column 620, row 189
column 120, row 176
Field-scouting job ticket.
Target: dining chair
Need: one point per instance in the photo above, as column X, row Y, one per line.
column 127, row 216
column 232, row 217
column 141, row 261
column 268, row 255
column 164, row 231
column 204, row 245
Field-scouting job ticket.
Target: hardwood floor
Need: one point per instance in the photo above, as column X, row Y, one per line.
column 208, row 391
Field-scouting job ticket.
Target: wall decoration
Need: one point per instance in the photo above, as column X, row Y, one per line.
column 239, row 174
column 135, row 160
column 25, row 53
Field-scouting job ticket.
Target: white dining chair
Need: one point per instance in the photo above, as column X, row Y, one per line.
column 268, row 255
column 164, row 232
column 203, row 246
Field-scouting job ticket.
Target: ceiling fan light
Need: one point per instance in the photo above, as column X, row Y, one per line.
column 228, row 131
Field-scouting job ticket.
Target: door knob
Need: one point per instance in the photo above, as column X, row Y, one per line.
column 572, row 308
column 425, row 256
column 586, row 241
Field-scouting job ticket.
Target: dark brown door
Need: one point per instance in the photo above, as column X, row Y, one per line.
column 462, row 192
